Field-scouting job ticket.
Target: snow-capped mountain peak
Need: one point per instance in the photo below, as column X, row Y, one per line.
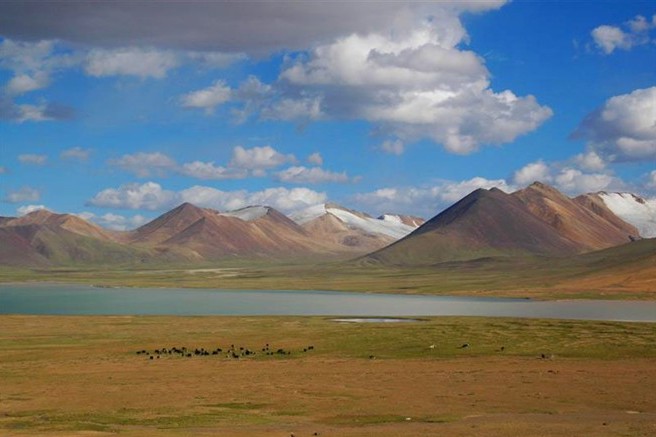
column 249, row 213
column 633, row 209
column 389, row 225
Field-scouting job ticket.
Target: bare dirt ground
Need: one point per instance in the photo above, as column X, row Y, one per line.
column 80, row 376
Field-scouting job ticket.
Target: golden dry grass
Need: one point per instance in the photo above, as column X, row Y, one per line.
column 80, row 376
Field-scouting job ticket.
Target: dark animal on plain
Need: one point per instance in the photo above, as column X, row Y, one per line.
column 464, row 346
column 310, row 348
column 151, row 357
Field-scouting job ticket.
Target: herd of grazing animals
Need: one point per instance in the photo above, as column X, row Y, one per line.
column 231, row 352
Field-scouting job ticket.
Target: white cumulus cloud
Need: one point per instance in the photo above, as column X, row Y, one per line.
column 311, row 175
column 416, row 84
column 574, row 181
column 149, row 196
column 259, row 159
column 590, row 161
column 534, row 171
column 24, row 83
column 130, row 61
column 283, row 199
column 26, row 209
column 208, row 98
column 298, row 109
column 583, row 173
column 623, row 128
column 244, row 162
column 636, row 32
column 208, row 170
column 144, row 164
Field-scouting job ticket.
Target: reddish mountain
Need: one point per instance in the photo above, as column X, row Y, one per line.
column 17, row 251
column 585, row 223
column 485, row 223
column 63, row 239
column 69, row 222
column 330, row 230
column 169, row 224
column 207, row 234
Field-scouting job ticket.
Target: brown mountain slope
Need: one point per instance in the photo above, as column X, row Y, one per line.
column 330, row 230
column 168, row 225
column 581, row 222
column 65, row 239
column 280, row 234
column 484, row 223
column 17, row 251
column 62, row 247
column 252, row 232
column 594, row 203
column 67, row 222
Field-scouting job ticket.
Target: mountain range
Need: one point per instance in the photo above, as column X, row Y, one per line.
column 535, row 221
column 191, row 234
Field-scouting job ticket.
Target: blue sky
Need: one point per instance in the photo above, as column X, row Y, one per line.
column 382, row 107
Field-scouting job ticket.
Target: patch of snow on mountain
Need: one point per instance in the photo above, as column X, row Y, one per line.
column 249, row 213
column 372, row 225
column 309, row 214
column 639, row 212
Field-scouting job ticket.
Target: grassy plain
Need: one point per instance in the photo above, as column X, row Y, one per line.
column 80, row 376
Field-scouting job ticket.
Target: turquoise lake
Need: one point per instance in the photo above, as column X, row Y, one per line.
column 87, row 300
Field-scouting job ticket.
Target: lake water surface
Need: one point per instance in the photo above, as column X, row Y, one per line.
column 86, row 300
